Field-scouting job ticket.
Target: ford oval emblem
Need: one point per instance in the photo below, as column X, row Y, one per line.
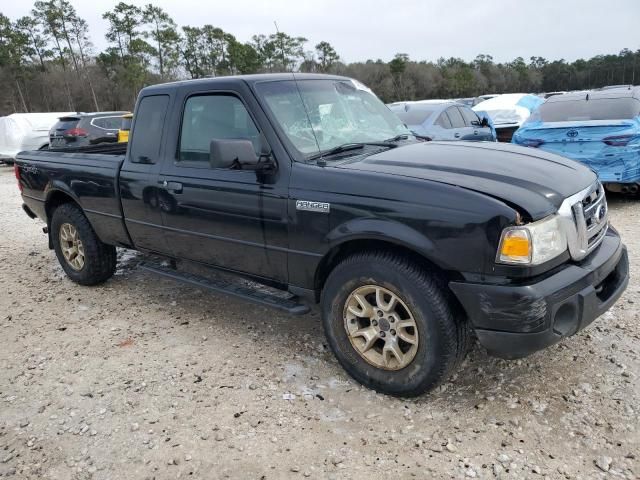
column 572, row 133
column 600, row 213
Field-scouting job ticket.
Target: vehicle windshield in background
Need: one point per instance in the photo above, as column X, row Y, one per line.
column 319, row 115
column 584, row 110
column 413, row 114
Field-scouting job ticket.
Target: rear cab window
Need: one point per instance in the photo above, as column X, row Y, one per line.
column 146, row 137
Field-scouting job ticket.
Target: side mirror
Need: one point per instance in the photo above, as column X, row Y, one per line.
column 224, row 153
column 484, row 122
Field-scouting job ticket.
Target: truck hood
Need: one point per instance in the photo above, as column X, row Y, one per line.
column 530, row 180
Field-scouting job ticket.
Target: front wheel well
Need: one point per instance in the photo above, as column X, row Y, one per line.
column 346, row 249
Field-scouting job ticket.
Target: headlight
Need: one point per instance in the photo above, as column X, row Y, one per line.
column 532, row 244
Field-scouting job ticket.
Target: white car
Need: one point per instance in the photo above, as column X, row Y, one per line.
column 25, row 131
column 508, row 112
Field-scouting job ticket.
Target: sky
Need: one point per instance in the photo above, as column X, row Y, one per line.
column 426, row 30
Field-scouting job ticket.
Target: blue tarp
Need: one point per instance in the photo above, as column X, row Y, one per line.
column 609, row 147
column 530, row 102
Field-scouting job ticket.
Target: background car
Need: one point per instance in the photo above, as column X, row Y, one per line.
column 600, row 128
column 442, row 120
column 25, row 131
column 473, row 101
column 125, row 127
column 81, row 129
column 509, row 111
column 482, row 98
column 469, row 101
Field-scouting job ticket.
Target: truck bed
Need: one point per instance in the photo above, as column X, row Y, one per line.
column 89, row 175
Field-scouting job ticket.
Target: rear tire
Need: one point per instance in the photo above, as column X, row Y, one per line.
column 83, row 256
column 424, row 328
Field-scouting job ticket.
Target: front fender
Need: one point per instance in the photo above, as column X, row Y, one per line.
column 388, row 231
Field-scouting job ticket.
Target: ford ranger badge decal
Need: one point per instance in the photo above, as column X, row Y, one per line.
column 313, row 206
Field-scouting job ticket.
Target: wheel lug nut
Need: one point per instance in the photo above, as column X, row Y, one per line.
column 382, row 334
column 380, row 313
column 391, row 319
column 374, row 323
column 393, row 332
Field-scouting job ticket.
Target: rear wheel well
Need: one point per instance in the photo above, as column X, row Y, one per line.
column 346, row 249
column 56, row 199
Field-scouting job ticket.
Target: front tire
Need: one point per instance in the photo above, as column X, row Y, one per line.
column 391, row 324
column 83, row 256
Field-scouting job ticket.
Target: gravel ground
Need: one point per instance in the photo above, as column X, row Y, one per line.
column 146, row 378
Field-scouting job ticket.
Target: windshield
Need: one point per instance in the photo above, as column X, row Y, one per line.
column 319, row 115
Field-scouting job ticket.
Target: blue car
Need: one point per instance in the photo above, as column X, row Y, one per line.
column 600, row 128
column 443, row 120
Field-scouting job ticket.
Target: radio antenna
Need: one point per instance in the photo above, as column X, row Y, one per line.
column 321, row 162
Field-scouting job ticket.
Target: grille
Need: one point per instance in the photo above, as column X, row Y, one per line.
column 591, row 218
column 596, row 217
column 585, row 219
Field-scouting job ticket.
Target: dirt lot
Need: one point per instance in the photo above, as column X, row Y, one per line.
column 146, row 378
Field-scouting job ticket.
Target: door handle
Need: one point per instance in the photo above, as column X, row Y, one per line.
column 457, row 135
column 175, row 187
column 475, row 132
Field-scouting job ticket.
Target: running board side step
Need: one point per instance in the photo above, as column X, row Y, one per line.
column 289, row 305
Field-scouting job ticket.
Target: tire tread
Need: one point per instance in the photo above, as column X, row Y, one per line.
column 453, row 326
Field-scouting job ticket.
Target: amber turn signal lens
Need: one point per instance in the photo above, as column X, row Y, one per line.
column 515, row 247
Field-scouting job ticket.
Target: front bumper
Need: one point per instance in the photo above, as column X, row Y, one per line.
column 515, row 321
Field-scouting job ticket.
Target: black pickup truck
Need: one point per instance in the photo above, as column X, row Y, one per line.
column 310, row 185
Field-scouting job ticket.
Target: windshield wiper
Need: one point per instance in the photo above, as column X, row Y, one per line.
column 397, row 138
column 345, row 147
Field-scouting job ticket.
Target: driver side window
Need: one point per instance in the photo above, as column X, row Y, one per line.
column 209, row 117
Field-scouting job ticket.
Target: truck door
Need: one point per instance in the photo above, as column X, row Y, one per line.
column 141, row 198
column 230, row 218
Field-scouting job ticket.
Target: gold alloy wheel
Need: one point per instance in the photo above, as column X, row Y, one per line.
column 381, row 327
column 71, row 246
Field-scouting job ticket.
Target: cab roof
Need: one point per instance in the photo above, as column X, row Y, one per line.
column 248, row 79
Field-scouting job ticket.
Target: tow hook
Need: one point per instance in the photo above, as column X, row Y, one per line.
column 45, row 229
